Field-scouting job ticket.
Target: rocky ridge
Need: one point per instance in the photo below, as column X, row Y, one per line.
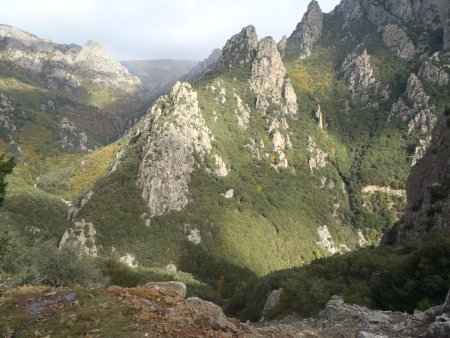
column 65, row 66
column 177, row 132
column 357, row 71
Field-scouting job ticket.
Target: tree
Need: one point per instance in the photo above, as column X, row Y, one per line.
column 6, row 167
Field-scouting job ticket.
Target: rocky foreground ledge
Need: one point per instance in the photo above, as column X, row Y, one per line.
column 162, row 310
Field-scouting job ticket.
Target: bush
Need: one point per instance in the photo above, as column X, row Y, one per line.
column 48, row 265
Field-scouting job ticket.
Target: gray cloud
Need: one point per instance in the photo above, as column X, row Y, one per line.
column 139, row 29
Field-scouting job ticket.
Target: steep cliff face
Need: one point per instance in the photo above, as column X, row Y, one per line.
column 414, row 108
column 240, row 49
column 177, row 133
column 309, row 29
column 428, row 189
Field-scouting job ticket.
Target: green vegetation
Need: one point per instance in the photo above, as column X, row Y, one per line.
column 406, row 276
column 6, row 167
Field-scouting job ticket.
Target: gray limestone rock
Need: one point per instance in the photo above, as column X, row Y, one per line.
column 177, row 133
column 398, row 41
column 282, row 45
column 65, row 66
column 413, row 107
column 431, row 71
column 269, row 82
column 309, row 29
column 319, row 117
column 357, row 71
column 240, row 49
column 69, row 136
column 317, row 157
column 272, row 301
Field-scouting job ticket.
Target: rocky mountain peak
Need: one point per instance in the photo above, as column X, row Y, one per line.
column 177, row 132
column 309, row 29
column 358, row 73
column 268, row 80
column 94, row 56
column 240, row 48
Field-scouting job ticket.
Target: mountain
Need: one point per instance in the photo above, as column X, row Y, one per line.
column 58, row 104
column 275, row 156
column 160, row 75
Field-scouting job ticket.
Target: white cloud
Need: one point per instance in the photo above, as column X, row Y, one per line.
column 139, row 29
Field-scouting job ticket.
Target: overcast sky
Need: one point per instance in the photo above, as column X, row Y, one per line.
column 154, row 29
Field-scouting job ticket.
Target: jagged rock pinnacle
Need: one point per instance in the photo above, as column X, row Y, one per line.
column 309, row 29
column 240, row 48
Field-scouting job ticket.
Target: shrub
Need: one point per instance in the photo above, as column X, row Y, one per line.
column 50, row 266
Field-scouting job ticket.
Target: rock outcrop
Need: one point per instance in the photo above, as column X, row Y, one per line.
column 340, row 319
column 309, row 30
column 177, row 132
column 431, row 71
column 325, row 240
column 398, row 41
column 429, row 13
column 69, row 136
column 319, row 117
column 413, row 107
column 80, row 236
column 357, row 71
column 240, row 49
column 269, row 82
column 428, row 189
column 282, row 46
column 317, row 157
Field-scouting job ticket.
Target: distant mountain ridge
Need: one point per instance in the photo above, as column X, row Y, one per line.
column 159, row 75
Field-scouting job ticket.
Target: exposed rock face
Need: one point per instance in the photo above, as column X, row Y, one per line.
column 7, row 110
column 76, row 207
column 70, row 138
column 272, row 301
column 358, row 73
column 326, row 241
column 177, row 131
column 413, row 107
column 420, row 150
column 240, row 49
column 339, row 319
column 309, row 29
column 398, row 41
column 282, row 46
column 129, row 260
column 430, row 13
column 195, row 237
column 433, row 73
column 242, row 112
column 428, row 189
column 317, row 158
column 319, row 117
column 350, row 9
column 65, row 66
column 82, row 236
column 269, row 82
